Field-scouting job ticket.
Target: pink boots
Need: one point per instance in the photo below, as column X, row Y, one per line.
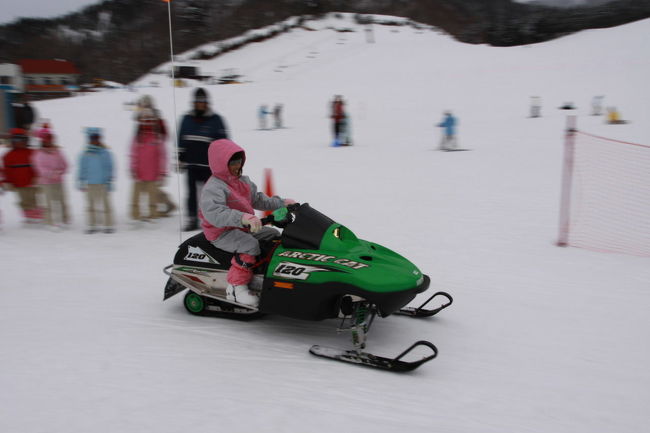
column 239, row 275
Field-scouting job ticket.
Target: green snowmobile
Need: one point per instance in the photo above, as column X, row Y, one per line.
column 317, row 269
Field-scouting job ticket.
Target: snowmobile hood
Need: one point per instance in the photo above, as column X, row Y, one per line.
column 219, row 153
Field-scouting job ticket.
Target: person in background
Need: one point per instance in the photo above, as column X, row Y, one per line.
column 597, row 105
column 2, row 191
column 277, row 116
column 614, row 116
column 535, row 106
column 148, row 163
column 95, row 178
column 24, row 113
column 337, row 115
column 200, row 127
column 228, row 220
column 448, row 141
column 19, row 175
column 261, row 116
column 50, row 165
column 44, row 129
column 160, row 129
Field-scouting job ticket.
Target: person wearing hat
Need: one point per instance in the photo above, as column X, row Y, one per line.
column 148, row 162
column 24, row 113
column 338, row 116
column 200, row 127
column 20, row 176
column 95, row 178
column 228, row 203
column 149, row 123
column 50, row 164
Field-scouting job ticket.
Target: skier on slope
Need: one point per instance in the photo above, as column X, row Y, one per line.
column 448, row 141
column 338, row 117
column 277, row 116
column 261, row 116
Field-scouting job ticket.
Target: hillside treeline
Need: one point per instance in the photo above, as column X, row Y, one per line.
column 119, row 40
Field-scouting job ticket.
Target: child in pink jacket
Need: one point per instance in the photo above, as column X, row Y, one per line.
column 50, row 166
column 148, row 163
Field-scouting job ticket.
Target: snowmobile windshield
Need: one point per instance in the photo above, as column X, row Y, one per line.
column 307, row 230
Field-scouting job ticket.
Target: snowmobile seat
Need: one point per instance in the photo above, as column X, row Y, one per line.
column 197, row 251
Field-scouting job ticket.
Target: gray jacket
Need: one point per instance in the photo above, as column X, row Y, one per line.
column 222, row 207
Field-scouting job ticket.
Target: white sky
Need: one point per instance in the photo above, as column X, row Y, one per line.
column 40, row 9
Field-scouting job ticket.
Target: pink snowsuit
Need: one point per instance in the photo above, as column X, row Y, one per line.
column 50, row 166
column 148, row 157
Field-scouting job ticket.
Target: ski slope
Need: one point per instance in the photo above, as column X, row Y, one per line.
column 539, row 339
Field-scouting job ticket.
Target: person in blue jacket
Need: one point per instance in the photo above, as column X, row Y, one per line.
column 200, row 127
column 448, row 141
column 261, row 115
column 95, row 178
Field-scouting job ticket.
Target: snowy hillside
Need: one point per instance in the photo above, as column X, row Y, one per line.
column 539, row 339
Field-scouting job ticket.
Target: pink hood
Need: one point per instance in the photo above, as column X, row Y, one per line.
column 219, row 153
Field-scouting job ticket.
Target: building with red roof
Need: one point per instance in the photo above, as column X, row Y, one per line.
column 48, row 76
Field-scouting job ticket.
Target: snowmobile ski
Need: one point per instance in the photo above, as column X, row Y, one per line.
column 423, row 312
column 369, row 360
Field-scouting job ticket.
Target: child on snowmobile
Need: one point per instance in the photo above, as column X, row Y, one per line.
column 227, row 214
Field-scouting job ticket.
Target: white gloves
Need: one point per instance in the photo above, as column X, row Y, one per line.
column 252, row 221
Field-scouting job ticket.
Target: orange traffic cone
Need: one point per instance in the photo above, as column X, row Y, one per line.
column 268, row 187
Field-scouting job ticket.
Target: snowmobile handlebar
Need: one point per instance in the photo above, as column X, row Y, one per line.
column 281, row 223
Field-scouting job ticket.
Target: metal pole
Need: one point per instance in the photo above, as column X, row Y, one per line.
column 175, row 123
column 567, row 181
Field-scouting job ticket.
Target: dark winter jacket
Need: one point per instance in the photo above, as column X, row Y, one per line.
column 196, row 134
column 23, row 115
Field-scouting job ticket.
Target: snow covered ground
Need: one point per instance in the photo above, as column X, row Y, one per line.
column 539, row 339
